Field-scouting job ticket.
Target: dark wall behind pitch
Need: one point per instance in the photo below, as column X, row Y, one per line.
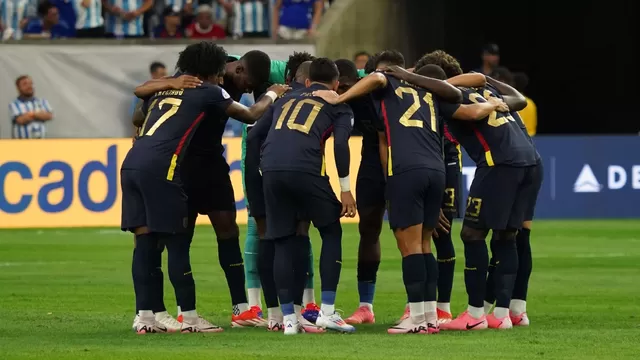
column 581, row 59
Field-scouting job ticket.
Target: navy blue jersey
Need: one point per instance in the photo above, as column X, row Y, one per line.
column 208, row 139
column 412, row 125
column 297, row 127
column 366, row 112
column 451, row 147
column 172, row 118
column 495, row 140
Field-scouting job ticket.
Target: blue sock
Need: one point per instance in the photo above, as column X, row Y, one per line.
column 366, row 289
column 328, row 297
column 287, row 309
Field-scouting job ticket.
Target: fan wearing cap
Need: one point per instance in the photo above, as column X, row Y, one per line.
column 490, row 59
column 171, row 27
column 203, row 27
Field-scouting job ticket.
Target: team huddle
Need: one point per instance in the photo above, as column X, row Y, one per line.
column 413, row 122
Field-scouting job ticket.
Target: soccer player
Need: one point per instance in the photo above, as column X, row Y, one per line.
column 502, row 191
column 296, row 187
column 310, row 311
column 266, row 248
column 154, row 204
column 208, row 183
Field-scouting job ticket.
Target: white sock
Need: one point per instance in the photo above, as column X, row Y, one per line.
column 274, row 313
column 430, row 310
column 475, row 312
column 179, row 310
column 297, row 309
column 416, row 311
column 242, row 307
column 254, row 297
column 146, row 314
column 446, row 307
column 500, row 312
column 518, row 306
column 308, row 297
column 487, row 308
column 190, row 314
column 367, row 305
column 328, row 309
column 291, row 317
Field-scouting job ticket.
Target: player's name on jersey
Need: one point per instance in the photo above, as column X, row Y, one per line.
column 170, row 93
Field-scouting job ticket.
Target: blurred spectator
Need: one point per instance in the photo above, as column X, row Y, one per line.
column 125, row 17
column 67, row 12
column 49, row 25
column 28, row 113
column 203, row 27
column 222, row 11
column 89, row 20
column 171, row 27
column 250, row 18
column 183, row 6
column 296, row 19
column 14, row 17
column 529, row 114
column 490, row 59
column 360, row 59
column 157, row 70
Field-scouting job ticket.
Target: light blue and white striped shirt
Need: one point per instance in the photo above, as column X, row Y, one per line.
column 13, row 11
column 250, row 16
column 118, row 26
column 33, row 130
column 180, row 4
column 88, row 17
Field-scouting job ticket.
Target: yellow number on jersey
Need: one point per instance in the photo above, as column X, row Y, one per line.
column 494, row 120
column 291, row 124
column 175, row 105
column 405, row 119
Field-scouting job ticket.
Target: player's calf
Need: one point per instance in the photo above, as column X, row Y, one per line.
column 506, row 256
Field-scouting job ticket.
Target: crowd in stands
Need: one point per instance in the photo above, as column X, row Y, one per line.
column 166, row 19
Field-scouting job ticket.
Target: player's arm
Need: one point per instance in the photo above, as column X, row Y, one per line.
column 440, row 88
column 250, row 115
column 364, row 86
column 512, row 97
column 257, row 135
column 138, row 115
column 472, row 80
column 342, row 127
column 167, row 83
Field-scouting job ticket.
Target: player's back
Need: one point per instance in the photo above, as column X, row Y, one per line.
column 172, row 118
column 366, row 113
column 412, row 127
column 301, row 123
column 497, row 139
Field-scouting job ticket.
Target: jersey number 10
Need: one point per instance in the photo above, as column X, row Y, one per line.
column 291, row 124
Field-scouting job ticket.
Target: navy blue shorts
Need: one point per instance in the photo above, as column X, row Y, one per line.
column 415, row 197
column 208, row 184
column 370, row 186
column 452, row 200
column 255, row 193
column 293, row 196
column 157, row 203
column 503, row 197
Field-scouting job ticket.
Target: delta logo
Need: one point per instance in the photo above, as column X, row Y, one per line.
column 617, row 178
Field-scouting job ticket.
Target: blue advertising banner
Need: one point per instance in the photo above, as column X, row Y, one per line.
column 584, row 176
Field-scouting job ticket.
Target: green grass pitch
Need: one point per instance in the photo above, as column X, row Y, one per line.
column 67, row 294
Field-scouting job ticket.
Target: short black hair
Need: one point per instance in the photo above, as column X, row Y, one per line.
column 43, row 8
column 155, row 66
column 448, row 63
column 323, row 70
column 20, row 78
column 294, row 62
column 432, row 71
column 258, row 66
column 347, row 69
column 361, row 53
column 503, row 74
column 520, row 81
column 370, row 66
column 391, row 57
column 302, row 74
column 203, row 59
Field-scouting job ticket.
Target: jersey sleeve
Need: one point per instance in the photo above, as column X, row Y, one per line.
column 447, row 109
column 342, row 126
column 218, row 98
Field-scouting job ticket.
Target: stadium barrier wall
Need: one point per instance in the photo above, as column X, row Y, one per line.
column 75, row 182
column 90, row 86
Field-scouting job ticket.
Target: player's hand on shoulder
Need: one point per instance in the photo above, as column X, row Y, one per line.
column 348, row 204
column 500, row 105
column 329, row 96
column 279, row 89
column 185, row 82
column 396, row 71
